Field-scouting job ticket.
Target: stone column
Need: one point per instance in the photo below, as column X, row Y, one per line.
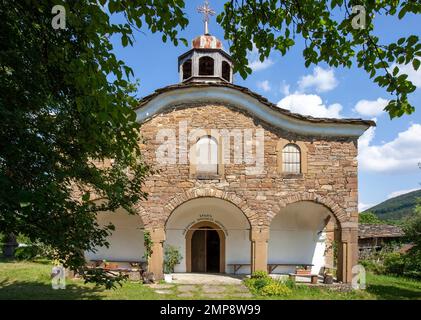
column 347, row 254
column 259, row 248
column 156, row 261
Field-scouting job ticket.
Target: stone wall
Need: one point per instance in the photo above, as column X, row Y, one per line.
column 330, row 178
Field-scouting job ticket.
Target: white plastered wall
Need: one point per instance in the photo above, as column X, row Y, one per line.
column 296, row 236
column 226, row 215
column 126, row 241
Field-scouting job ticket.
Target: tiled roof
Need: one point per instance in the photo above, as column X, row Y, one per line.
column 260, row 98
column 379, row 231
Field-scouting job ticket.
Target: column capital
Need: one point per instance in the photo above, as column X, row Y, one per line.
column 259, row 234
column 349, row 235
column 157, row 234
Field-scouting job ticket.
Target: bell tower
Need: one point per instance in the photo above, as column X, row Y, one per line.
column 206, row 61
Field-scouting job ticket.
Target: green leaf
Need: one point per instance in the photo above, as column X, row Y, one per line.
column 416, row 64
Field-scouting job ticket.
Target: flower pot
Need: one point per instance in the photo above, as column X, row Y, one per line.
column 303, row 271
column 168, row 278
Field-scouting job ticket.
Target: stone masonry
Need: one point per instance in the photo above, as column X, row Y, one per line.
column 330, row 178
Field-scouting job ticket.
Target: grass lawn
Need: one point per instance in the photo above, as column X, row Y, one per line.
column 31, row 280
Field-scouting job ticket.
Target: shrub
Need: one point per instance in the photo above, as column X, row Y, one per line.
column 26, row 253
column 275, row 288
column 373, row 266
column 394, row 263
column 259, row 283
column 262, row 284
column 413, row 264
column 289, row 283
column 259, row 275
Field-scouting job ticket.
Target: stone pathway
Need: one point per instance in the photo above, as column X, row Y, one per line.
column 206, row 278
column 203, row 291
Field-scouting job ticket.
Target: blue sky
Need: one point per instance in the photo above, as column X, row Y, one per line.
column 389, row 154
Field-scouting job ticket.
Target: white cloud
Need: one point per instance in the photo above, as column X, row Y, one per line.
column 397, row 156
column 310, row 104
column 284, row 88
column 254, row 62
column 264, row 85
column 366, row 138
column 371, row 108
column 400, row 192
column 322, row 80
column 363, row 206
column 413, row 76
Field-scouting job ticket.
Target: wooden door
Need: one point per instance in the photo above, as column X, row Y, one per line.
column 198, row 251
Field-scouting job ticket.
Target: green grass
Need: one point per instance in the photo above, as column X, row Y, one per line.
column 31, row 280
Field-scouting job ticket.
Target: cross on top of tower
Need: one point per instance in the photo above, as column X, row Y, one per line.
column 207, row 11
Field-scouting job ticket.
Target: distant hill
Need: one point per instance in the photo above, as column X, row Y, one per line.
column 398, row 207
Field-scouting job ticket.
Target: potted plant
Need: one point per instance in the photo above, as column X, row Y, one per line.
column 172, row 257
column 302, row 270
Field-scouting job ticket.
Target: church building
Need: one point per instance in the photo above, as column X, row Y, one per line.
column 239, row 184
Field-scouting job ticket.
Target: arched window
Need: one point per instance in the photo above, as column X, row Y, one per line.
column 187, row 69
column 206, row 66
column 207, row 156
column 226, row 71
column 291, row 159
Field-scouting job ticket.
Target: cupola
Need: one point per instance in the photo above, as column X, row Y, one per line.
column 206, row 61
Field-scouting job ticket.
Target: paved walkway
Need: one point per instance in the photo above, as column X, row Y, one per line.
column 203, row 286
column 206, row 278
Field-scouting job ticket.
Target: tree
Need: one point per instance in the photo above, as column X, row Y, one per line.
column 69, row 134
column 412, row 258
column 369, row 218
column 66, row 100
column 412, row 228
column 333, row 32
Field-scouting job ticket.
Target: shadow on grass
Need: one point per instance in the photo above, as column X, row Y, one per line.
column 393, row 292
column 33, row 290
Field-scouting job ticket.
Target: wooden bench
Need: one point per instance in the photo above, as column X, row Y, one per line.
column 273, row 266
column 313, row 277
column 113, row 265
column 237, row 266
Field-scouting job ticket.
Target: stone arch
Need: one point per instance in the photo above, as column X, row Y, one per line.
column 338, row 212
column 347, row 255
column 222, row 239
column 209, row 192
column 141, row 211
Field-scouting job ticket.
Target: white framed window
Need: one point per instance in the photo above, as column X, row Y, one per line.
column 291, row 159
column 207, row 156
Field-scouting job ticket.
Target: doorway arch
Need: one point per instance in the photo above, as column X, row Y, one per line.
column 217, row 207
column 193, row 236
